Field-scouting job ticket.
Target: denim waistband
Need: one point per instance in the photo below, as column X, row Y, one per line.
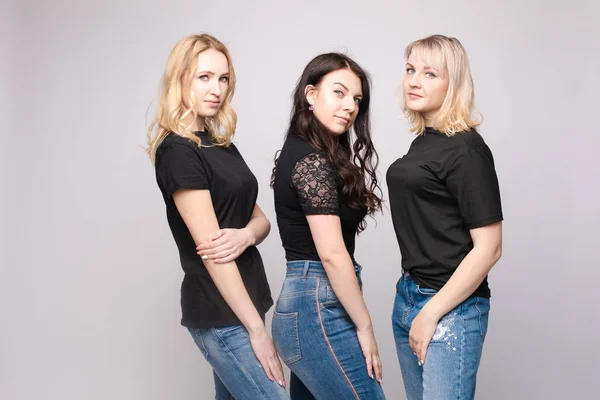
column 306, row 268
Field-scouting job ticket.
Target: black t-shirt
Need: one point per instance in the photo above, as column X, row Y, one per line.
column 443, row 187
column 180, row 164
column 306, row 183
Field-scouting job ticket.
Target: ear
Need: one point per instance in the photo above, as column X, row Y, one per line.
column 309, row 92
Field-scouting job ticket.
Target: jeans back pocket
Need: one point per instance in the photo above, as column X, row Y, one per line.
column 285, row 336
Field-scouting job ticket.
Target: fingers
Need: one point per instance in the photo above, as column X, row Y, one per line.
column 212, row 252
column 369, row 361
column 277, row 370
column 423, row 352
column 415, row 346
column 209, row 247
column 266, row 368
column 218, row 234
column 377, row 367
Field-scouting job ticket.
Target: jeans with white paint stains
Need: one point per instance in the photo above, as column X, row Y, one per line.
column 453, row 355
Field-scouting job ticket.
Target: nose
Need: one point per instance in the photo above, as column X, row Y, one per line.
column 414, row 81
column 216, row 88
column 350, row 105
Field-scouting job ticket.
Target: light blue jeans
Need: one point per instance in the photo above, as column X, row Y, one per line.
column 453, row 355
column 317, row 340
column 237, row 372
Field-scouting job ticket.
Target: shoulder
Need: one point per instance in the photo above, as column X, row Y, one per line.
column 470, row 140
column 176, row 146
column 297, row 147
column 173, row 140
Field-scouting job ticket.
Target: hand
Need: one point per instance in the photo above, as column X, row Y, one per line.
column 368, row 344
column 267, row 355
column 226, row 245
column 421, row 332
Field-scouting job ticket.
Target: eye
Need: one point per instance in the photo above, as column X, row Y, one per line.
column 410, row 70
column 358, row 100
column 430, row 75
column 203, row 77
column 338, row 92
column 224, row 79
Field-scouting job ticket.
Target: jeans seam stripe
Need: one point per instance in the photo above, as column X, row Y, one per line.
column 239, row 364
column 329, row 344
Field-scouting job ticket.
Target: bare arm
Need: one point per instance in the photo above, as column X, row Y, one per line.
column 196, row 209
column 487, row 249
column 326, row 231
column 327, row 234
column 258, row 227
column 226, row 245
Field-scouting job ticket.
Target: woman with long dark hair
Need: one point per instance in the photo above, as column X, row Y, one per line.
column 325, row 185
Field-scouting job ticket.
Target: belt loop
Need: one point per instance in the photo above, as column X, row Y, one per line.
column 305, row 270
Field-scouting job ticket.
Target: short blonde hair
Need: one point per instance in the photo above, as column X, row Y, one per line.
column 176, row 102
column 447, row 55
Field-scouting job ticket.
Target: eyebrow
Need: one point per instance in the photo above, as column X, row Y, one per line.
column 210, row 73
column 425, row 67
column 344, row 86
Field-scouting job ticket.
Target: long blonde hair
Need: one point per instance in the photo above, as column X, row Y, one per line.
column 447, row 55
column 176, row 103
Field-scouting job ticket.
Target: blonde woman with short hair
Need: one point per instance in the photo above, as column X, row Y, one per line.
column 210, row 197
column 446, row 210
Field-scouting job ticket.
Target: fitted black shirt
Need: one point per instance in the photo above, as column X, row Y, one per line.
column 180, row 164
column 306, row 183
column 443, row 187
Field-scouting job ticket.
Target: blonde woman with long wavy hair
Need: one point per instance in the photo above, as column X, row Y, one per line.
column 210, row 196
column 446, row 210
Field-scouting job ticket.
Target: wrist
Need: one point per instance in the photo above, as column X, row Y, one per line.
column 433, row 310
column 250, row 238
column 365, row 327
column 255, row 328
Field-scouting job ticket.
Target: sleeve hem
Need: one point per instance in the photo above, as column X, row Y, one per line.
column 175, row 188
column 486, row 221
column 316, row 211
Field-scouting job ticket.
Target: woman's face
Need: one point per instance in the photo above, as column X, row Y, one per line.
column 336, row 99
column 209, row 84
column 424, row 87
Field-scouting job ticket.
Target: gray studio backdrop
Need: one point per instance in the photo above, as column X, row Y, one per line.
column 90, row 274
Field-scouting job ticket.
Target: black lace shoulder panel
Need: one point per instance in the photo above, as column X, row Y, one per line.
column 315, row 181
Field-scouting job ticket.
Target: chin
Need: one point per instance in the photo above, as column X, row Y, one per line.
column 207, row 113
column 337, row 130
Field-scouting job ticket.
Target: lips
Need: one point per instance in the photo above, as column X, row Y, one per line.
column 414, row 96
column 212, row 103
column 344, row 119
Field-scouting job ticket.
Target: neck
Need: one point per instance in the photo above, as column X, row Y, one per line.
column 430, row 118
column 197, row 125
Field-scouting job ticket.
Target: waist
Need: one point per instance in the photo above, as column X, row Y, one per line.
column 312, row 268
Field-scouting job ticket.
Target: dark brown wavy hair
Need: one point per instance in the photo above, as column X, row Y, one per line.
column 353, row 156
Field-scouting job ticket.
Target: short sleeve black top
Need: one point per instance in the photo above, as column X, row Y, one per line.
column 181, row 164
column 443, row 187
column 306, row 183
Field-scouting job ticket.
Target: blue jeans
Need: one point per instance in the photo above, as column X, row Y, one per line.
column 317, row 340
column 453, row 355
column 237, row 372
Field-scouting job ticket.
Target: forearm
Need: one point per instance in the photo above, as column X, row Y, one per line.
column 340, row 271
column 228, row 281
column 258, row 229
column 465, row 280
column 195, row 207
